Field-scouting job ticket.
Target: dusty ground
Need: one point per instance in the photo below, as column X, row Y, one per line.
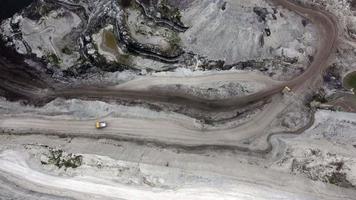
column 194, row 108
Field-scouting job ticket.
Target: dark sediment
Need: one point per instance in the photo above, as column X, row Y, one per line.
column 9, row 7
column 19, row 81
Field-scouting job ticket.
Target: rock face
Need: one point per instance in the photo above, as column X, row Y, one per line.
column 61, row 33
column 203, row 99
column 159, row 35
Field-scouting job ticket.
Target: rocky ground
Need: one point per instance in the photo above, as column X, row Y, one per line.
column 194, row 96
column 324, row 152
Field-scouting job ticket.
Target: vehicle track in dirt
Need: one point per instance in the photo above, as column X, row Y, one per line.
column 28, row 82
column 328, row 32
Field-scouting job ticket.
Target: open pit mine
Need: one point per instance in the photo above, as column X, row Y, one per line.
column 178, row 99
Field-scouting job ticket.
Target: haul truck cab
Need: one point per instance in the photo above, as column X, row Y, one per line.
column 286, row 89
column 100, row 125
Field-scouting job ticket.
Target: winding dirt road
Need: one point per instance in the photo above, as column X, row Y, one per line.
column 183, row 134
column 154, row 129
column 328, row 35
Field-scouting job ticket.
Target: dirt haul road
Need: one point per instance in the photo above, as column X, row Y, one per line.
column 161, row 131
column 181, row 134
column 328, row 34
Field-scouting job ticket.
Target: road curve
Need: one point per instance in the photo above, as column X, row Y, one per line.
column 231, row 137
column 328, row 32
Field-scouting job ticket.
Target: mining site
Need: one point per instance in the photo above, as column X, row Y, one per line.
column 178, row 99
